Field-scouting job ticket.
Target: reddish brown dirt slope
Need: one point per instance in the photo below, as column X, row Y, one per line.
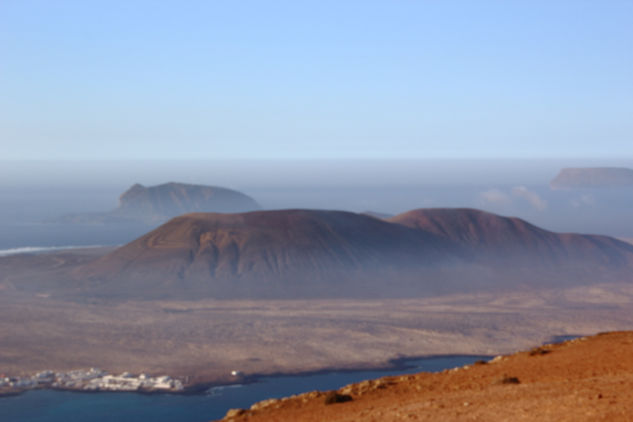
column 589, row 379
column 504, row 238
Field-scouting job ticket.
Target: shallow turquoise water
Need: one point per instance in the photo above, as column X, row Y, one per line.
column 64, row 406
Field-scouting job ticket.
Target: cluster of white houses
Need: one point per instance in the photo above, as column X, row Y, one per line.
column 92, row 379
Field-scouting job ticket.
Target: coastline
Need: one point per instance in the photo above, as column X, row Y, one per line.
column 397, row 364
column 90, row 380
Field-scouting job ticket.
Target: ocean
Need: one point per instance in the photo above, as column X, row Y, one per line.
column 65, row 406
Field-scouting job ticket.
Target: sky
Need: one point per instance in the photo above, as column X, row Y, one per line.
column 121, row 79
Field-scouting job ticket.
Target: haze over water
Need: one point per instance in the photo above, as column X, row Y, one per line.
column 34, row 193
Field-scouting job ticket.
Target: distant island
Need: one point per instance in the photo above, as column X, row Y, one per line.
column 593, row 177
column 156, row 204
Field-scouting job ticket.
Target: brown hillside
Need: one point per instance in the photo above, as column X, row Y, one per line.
column 506, row 238
column 589, row 379
column 278, row 253
column 310, row 253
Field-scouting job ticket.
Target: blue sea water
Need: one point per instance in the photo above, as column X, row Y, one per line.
column 64, row 406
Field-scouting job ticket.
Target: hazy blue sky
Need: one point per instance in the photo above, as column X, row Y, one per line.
column 324, row 79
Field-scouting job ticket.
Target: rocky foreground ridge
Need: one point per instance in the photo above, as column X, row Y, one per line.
column 586, row 379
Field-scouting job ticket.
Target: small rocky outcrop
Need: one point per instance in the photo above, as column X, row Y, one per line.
column 593, row 177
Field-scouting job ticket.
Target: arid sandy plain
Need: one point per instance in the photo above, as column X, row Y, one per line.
column 202, row 341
